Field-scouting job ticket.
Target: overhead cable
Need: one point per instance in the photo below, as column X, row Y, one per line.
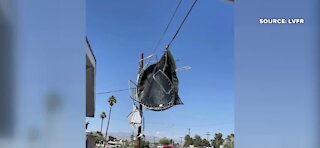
column 107, row 92
column 182, row 23
column 167, row 27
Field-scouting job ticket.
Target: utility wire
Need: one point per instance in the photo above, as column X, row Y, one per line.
column 164, row 32
column 119, row 90
column 167, row 27
column 185, row 18
column 107, row 92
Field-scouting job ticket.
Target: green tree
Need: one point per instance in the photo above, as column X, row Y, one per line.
column 217, row 141
column 132, row 137
column 145, row 144
column 197, row 141
column 205, row 143
column 99, row 137
column 132, row 141
column 99, row 133
column 164, row 141
column 102, row 116
column 112, row 100
column 187, row 141
column 111, row 138
column 171, row 141
column 229, row 141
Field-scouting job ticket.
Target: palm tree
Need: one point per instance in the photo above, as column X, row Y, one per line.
column 217, row 141
column 102, row 115
column 229, row 141
column 112, row 100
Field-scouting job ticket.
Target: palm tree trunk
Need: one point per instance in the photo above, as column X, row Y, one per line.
column 108, row 123
column 101, row 125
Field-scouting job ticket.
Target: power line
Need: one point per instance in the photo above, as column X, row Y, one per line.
column 164, row 32
column 185, row 18
column 120, row 90
column 107, row 92
column 167, row 27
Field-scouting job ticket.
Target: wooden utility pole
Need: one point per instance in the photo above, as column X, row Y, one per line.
column 140, row 108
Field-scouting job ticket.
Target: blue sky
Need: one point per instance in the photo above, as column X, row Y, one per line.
column 120, row 31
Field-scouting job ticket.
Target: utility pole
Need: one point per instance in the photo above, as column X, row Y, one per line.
column 208, row 134
column 181, row 141
column 189, row 131
column 140, row 108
